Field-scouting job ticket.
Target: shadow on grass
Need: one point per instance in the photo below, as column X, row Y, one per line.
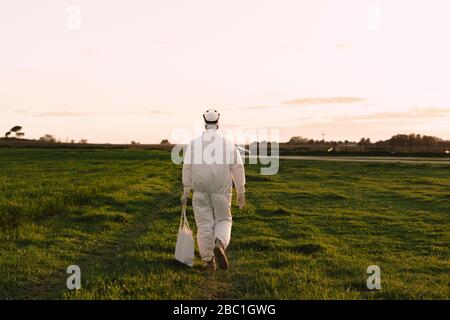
column 307, row 249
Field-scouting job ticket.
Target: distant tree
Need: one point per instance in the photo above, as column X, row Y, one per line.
column 135, row 142
column 429, row 141
column 364, row 142
column 164, row 141
column 48, row 138
column 400, row 140
column 298, row 140
column 83, row 141
column 16, row 129
column 413, row 139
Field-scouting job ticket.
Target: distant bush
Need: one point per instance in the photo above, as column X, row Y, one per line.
column 164, row 141
column 48, row 138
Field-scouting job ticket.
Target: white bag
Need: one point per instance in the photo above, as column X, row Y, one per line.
column 184, row 250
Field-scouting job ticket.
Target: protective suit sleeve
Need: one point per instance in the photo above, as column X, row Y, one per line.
column 187, row 168
column 238, row 172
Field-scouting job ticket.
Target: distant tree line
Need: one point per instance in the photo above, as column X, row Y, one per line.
column 398, row 140
column 414, row 140
column 51, row 139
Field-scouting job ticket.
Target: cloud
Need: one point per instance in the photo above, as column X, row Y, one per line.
column 343, row 45
column 302, row 119
column 319, row 101
column 256, row 107
column 160, row 42
column 417, row 113
column 21, row 111
column 249, row 108
column 61, row 114
column 158, row 112
column 88, row 51
column 64, row 113
column 142, row 112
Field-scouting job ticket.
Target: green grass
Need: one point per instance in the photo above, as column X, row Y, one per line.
column 307, row 233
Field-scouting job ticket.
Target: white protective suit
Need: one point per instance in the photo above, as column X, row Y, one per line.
column 211, row 165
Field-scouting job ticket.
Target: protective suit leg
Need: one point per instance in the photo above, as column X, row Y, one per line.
column 222, row 217
column 204, row 218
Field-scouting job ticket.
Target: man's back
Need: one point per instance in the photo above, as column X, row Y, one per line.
column 212, row 163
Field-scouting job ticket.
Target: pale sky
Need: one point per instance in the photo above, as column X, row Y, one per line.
column 138, row 70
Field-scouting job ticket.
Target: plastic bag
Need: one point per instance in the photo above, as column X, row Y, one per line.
column 184, row 250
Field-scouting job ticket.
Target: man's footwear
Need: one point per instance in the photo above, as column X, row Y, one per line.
column 211, row 265
column 219, row 253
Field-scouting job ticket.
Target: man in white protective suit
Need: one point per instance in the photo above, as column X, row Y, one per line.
column 211, row 165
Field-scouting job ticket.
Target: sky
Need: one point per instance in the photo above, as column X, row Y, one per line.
column 116, row 71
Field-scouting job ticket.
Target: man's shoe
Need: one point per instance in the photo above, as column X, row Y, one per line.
column 219, row 253
column 211, row 265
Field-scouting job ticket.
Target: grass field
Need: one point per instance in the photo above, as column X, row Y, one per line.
column 307, row 233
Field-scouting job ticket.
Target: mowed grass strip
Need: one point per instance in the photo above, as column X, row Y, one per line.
column 307, row 233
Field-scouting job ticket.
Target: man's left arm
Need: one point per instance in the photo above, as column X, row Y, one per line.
column 238, row 176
